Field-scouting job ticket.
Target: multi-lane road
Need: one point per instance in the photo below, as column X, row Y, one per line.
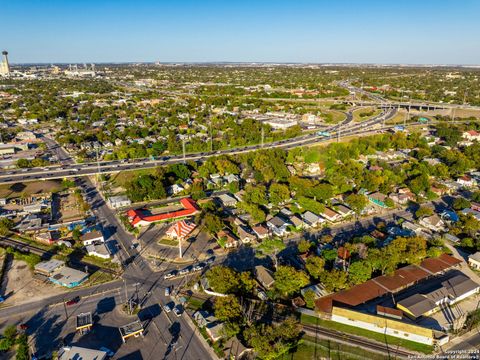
column 68, row 168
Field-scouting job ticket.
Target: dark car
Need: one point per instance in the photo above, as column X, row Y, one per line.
column 23, row 326
column 73, row 301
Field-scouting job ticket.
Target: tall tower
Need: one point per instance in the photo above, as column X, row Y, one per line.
column 4, row 67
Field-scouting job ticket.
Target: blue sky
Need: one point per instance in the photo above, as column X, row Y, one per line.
column 396, row 31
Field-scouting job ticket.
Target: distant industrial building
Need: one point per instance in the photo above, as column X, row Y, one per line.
column 4, row 65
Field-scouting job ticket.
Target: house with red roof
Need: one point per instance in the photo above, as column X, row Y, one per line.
column 471, row 135
column 143, row 217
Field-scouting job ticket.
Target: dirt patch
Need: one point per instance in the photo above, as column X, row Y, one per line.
column 22, row 287
column 30, row 188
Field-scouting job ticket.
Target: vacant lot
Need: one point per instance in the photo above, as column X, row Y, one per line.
column 30, row 188
column 69, row 208
column 20, row 286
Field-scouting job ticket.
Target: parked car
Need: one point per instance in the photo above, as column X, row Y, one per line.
column 23, row 326
column 199, row 267
column 210, row 260
column 73, row 301
column 2, row 299
column 167, row 291
column 109, row 352
column 170, row 275
column 178, row 310
column 168, row 307
column 185, row 271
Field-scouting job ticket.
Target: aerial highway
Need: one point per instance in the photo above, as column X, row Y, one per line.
column 68, row 168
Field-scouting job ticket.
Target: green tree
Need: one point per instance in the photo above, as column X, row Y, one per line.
column 223, row 279
column 461, row 203
column 5, row 226
column 22, row 348
column 309, row 298
column 213, row 223
column 423, row 211
column 304, row 246
column 357, row 202
column 289, row 281
column 334, row 280
column 227, row 308
column 315, row 266
column 359, row 272
column 278, row 193
column 271, row 247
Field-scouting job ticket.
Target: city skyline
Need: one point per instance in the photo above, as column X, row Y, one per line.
column 282, row 32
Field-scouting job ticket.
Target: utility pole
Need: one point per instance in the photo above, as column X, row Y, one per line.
column 183, row 148
column 211, row 136
column 180, row 247
column 263, row 135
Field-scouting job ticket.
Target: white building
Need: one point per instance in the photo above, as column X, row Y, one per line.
column 92, row 237
column 98, row 250
column 119, row 201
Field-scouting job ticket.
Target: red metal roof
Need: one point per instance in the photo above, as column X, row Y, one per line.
column 190, row 208
column 402, row 278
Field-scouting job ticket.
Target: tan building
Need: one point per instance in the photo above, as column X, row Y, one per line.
column 4, row 66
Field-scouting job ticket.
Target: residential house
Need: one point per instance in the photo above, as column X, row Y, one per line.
column 474, row 213
column 92, row 237
column 343, row 210
column 217, row 179
column 215, row 330
column 398, row 198
column 119, row 201
column 226, row 200
column 244, row 236
column 434, row 223
column 415, row 228
column 296, row 221
column 471, row 135
column 452, row 238
column 378, row 199
column 260, row 231
column 331, row 215
column 99, row 250
column 278, row 225
column 239, row 195
column 264, row 276
column 466, row 181
column 228, row 240
column 474, row 260
column 311, row 219
column 175, row 189
column 231, row 178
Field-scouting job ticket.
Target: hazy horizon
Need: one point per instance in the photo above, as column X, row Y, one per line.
column 313, row 32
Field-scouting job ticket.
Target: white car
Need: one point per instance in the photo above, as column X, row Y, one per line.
column 169, row 275
column 184, row 271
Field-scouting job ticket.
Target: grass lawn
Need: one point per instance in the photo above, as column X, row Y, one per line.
column 334, row 116
column 325, row 349
column 426, row 349
column 123, row 177
column 168, row 242
column 30, row 188
column 98, row 277
column 195, row 303
column 357, row 113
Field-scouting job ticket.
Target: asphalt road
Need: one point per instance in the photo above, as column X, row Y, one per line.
column 68, row 168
